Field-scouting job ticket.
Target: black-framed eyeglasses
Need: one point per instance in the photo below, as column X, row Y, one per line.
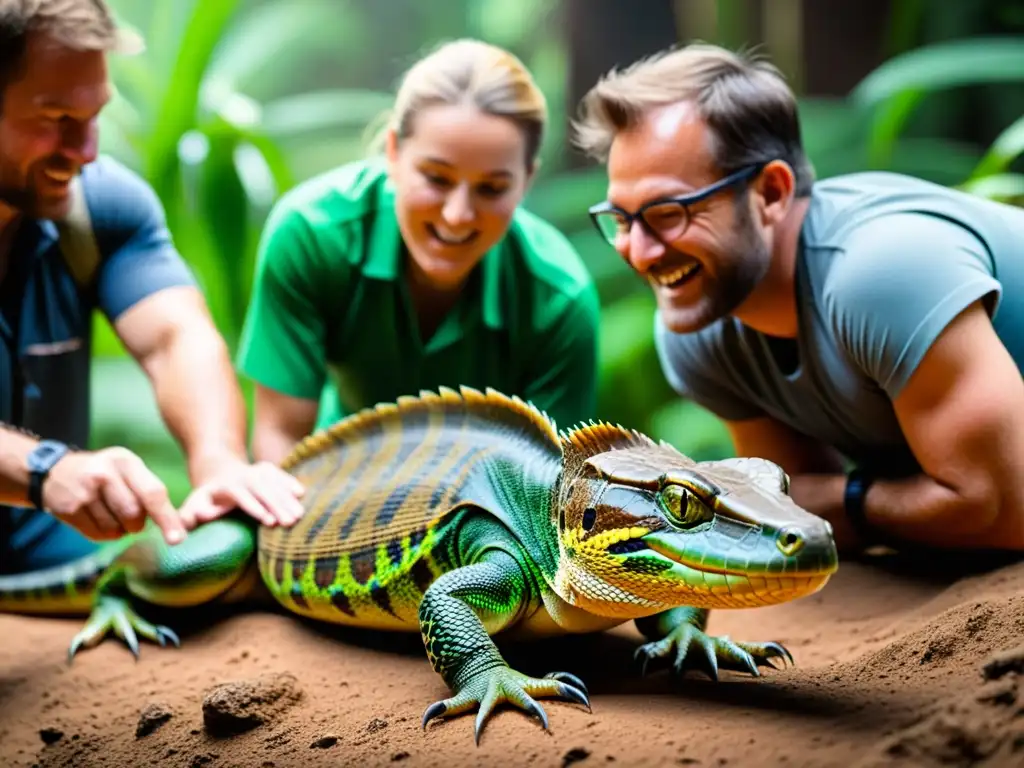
column 666, row 218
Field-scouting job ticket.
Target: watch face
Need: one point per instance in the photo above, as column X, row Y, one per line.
column 45, row 455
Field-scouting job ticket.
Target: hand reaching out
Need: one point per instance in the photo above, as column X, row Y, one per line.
column 108, row 493
column 262, row 490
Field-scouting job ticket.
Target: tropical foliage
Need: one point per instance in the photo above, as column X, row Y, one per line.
column 234, row 102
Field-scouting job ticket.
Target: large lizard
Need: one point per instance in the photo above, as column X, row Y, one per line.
column 465, row 514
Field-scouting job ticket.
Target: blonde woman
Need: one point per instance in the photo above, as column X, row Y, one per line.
column 419, row 269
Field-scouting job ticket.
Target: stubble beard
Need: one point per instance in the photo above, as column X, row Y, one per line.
column 740, row 269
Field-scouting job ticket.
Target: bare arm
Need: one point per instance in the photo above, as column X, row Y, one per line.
column 962, row 413
column 280, row 421
column 173, row 337
column 15, row 447
column 794, row 452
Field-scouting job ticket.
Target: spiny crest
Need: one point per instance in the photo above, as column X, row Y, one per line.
column 491, row 405
column 593, row 438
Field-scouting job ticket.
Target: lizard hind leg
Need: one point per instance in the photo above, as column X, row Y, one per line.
column 206, row 565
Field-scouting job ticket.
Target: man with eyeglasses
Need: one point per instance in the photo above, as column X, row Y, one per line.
column 864, row 332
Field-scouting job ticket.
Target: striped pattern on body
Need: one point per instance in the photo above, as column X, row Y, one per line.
column 381, row 487
column 62, row 589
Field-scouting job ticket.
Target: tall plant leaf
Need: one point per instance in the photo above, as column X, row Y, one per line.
column 1006, row 148
column 944, row 65
column 177, row 110
column 892, row 91
column 1005, row 187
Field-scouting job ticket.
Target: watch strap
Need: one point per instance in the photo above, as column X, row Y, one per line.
column 858, row 481
column 40, row 461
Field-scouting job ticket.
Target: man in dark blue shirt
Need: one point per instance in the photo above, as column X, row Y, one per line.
column 79, row 234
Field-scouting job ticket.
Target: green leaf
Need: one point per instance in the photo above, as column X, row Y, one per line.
column 1006, row 148
column 892, row 91
column 944, row 65
column 887, row 125
column 999, row 186
column 178, row 107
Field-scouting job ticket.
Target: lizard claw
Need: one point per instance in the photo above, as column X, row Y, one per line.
column 502, row 684
column 112, row 613
column 694, row 649
column 571, row 680
column 437, row 709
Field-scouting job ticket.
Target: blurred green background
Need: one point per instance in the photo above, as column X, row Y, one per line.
column 235, row 101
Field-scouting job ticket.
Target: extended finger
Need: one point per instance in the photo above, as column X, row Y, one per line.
column 153, row 495
column 122, row 503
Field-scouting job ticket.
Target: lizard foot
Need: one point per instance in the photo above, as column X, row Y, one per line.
column 116, row 614
column 502, row 684
column 694, row 649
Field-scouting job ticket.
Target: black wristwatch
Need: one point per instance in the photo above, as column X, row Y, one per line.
column 40, row 462
column 857, row 483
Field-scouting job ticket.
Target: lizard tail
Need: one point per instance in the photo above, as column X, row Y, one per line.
column 61, row 589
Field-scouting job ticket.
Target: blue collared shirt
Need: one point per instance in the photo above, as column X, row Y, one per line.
column 46, row 323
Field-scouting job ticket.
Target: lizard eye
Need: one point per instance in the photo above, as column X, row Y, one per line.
column 683, row 507
column 589, row 518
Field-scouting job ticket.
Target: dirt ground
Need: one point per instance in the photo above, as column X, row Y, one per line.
column 896, row 666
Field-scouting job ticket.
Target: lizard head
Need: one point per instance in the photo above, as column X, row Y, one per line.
column 643, row 528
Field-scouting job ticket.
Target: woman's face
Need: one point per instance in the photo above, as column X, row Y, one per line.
column 458, row 178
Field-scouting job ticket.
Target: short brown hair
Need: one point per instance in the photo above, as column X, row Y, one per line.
column 85, row 25
column 746, row 103
column 472, row 72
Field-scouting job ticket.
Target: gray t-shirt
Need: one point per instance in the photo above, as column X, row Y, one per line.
column 885, row 262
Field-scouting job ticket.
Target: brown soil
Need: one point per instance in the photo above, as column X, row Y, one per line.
column 896, row 666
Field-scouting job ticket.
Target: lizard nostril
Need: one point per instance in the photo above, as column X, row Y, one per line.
column 789, row 542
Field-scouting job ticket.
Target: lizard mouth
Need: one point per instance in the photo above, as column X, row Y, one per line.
column 693, row 564
column 808, row 565
column 633, row 546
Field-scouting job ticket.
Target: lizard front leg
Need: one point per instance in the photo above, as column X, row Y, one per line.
column 457, row 615
column 682, row 631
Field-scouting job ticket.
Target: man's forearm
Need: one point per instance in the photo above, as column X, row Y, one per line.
column 200, row 400
column 915, row 509
column 15, row 447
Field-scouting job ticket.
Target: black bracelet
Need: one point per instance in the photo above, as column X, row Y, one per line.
column 857, row 483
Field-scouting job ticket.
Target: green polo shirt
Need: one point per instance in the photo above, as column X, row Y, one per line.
column 331, row 319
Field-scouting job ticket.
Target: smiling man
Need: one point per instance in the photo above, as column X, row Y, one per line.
column 79, row 233
column 864, row 332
